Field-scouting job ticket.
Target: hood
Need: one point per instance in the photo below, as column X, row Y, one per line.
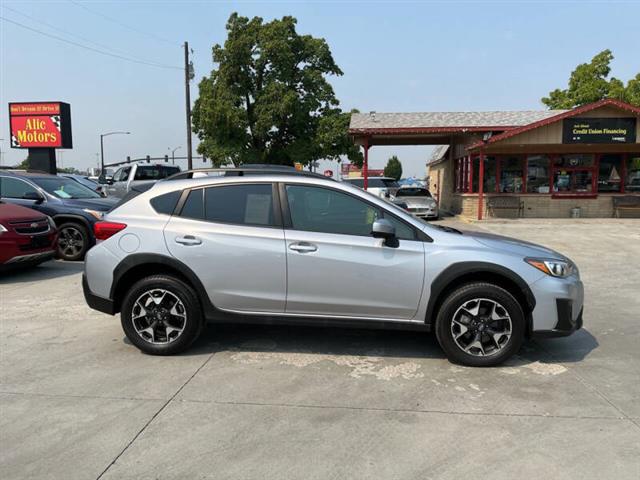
column 99, row 204
column 16, row 213
column 513, row 245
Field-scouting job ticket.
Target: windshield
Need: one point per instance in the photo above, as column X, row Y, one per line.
column 65, row 188
column 413, row 192
column 154, row 172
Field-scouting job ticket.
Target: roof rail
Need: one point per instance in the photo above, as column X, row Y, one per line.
column 242, row 171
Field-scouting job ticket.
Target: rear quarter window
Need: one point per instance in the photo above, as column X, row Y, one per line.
column 166, row 203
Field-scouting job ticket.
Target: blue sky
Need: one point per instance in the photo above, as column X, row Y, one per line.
column 396, row 56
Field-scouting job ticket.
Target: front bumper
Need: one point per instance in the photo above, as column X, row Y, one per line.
column 559, row 306
column 104, row 305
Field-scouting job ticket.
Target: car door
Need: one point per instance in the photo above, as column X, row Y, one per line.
column 231, row 236
column 336, row 268
column 111, row 188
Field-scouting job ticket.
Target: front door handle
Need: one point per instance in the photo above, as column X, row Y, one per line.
column 188, row 240
column 303, row 247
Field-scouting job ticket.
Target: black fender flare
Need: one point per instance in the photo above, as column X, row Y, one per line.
column 139, row 259
column 461, row 269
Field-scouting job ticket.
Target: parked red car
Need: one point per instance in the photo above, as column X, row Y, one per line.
column 27, row 237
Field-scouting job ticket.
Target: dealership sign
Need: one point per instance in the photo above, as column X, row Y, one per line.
column 40, row 125
column 599, row 130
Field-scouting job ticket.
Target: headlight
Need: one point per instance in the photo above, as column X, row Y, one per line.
column 555, row 268
column 94, row 213
column 3, row 229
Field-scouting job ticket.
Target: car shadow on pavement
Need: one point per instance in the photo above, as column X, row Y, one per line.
column 45, row 271
column 372, row 343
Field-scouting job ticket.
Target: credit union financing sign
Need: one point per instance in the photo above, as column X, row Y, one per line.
column 40, row 125
column 599, row 130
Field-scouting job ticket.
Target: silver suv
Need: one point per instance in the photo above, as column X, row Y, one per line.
column 293, row 247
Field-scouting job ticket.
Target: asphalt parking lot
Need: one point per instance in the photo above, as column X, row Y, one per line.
column 78, row 401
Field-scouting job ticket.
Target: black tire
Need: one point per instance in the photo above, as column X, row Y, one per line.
column 79, row 235
column 464, row 296
column 191, row 328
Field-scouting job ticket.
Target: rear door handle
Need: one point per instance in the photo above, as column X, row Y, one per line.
column 303, row 247
column 188, row 240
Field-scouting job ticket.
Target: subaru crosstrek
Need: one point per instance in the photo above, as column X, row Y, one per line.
column 300, row 248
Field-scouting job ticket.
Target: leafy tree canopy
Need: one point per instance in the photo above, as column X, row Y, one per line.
column 268, row 100
column 393, row 168
column 590, row 82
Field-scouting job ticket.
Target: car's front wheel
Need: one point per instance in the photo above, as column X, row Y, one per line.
column 480, row 325
column 161, row 315
column 73, row 241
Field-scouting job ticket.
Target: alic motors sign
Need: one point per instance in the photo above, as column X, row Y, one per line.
column 40, row 125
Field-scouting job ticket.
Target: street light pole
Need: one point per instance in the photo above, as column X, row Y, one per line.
column 173, row 157
column 102, row 135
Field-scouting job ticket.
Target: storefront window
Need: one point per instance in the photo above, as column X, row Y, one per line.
column 572, row 181
column 574, row 160
column 538, row 174
column 511, row 174
column 490, row 178
column 476, row 174
column 632, row 178
column 609, row 173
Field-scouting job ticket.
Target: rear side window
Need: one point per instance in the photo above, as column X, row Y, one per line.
column 166, row 203
column 240, row 204
column 194, row 205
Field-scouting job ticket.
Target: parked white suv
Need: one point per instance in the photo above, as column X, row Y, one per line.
column 300, row 248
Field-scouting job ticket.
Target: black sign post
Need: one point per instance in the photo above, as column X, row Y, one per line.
column 599, row 130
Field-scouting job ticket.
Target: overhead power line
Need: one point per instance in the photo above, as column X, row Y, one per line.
column 86, row 47
column 73, row 35
column 124, row 25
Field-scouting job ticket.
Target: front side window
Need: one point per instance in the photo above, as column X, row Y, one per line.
column 116, row 176
column 538, row 174
column 316, row 209
column 632, row 177
column 610, row 173
column 14, row 188
column 240, row 204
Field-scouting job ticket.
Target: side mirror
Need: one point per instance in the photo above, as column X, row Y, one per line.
column 33, row 195
column 383, row 228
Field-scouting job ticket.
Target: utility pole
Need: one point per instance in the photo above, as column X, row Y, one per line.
column 187, row 97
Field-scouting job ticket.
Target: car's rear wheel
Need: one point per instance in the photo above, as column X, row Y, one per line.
column 161, row 315
column 73, row 241
column 480, row 325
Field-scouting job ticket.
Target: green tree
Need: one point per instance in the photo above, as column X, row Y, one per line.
column 268, row 100
column 393, row 168
column 590, row 82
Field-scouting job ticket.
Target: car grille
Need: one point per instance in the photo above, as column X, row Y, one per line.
column 30, row 227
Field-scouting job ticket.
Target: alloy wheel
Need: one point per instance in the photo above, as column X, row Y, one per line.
column 481, row 327
column 70, row 242
column 158, row 316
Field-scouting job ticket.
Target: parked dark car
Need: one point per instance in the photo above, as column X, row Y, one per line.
column 73, row 207
column 27, row 238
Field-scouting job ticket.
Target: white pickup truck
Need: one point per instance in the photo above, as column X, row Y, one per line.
column 135, row 174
